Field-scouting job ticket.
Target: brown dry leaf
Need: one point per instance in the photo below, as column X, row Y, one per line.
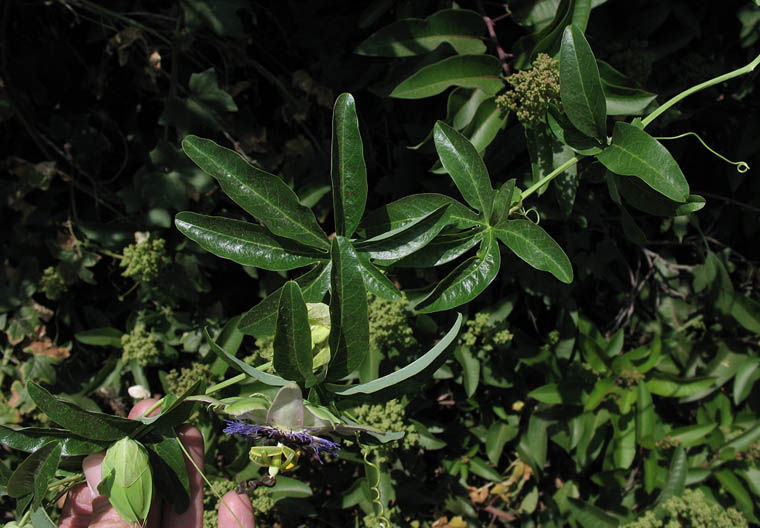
column 457, row 522
column 478, row 495
column 45, row 314
column 45, row 347
column 443, row 522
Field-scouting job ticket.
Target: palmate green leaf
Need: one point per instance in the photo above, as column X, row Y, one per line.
column 262, row 318
column 676, row 479
column 100, row 337
column 407, row 378
column 30, row 439
column 375, row 281
column 466, row 281
column 633, row 152
column 497, row 437
column 262, row 195
column 590, row 516
column 90, row 425
column 534, row 245
column 348, row 170
column 641, row 196
column 465, row 166
column 293, row 358
column 403, row 241
column 671, row 386
column 503, row 201
column 242, row 366
column 746, row 376
column 730, row 482
column 411, row 209
column 461, row 28
column 645, row 415
column 580, row 87
column 442, row 249
column 469, row 71
column 169, row 470
column 34, row 472
column 349, row 326
column 245, row 243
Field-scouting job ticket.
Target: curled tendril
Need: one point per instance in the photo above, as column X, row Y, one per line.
column 382, row 519
column 527, row 212
column 248, row 487
column 741, row 166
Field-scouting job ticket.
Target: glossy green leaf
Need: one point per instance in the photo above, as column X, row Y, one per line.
column 442, row 249
column 470, row 71
column 691, row 435
column 292, row 339
column 730, row 483
column 590, row 516
column 90, row 425
column 34, row 472
column 242, row 366
column 375, row 280
column 466, row 281
column 411, row 209
column 675, row 387
column 287, row 487
column 426, row 439
column 461, row 28
column 170, row 471
column 412, row 375
column 534, row 245
column 262, row 195
column 624, row 443
column 568, row 135
column 470, row 369
column 633, row 152
column 676, row 479
column 349, row 330
column 602, row 388
column 488, row 120
column 466, row 168
column 262, row 318
column 645, row 415
column 481, row 468
column 503, row 201
column 30, row 439
column 534, row 442
column 744, row 440
column 557, row 393
column 746, row 376
column 622, row 99
column 498, row 435
column 100, row 337
column 245, row 243
column 403, row 241
column 548, row 34
column 348, row 171
column 639, row 195
column 580, row 87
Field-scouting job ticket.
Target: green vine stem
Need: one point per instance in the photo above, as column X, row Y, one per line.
column 748, row 68
column 741, row 166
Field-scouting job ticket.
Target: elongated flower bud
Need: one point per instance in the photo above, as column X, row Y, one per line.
column 127, row 479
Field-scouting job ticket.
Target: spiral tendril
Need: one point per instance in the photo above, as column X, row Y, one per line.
column 382, row 518
column 741, row 166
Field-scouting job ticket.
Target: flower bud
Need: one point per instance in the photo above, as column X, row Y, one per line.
column 127, row 479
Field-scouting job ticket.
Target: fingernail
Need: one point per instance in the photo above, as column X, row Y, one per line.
column 91, row 468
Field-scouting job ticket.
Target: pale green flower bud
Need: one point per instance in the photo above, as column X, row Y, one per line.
column 127, row 479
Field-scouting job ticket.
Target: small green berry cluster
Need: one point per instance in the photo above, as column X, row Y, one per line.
column 389, row 325
column 483, row 334
column 52, row 283
column 691, row 510
column 145, row 260
column 389, row 417
column 668, row 442
column 179, row 380
column 140, row 344
column 533, row 91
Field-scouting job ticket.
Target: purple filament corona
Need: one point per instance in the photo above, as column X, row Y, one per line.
column 302, row 439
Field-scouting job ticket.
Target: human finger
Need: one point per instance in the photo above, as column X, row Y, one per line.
column 77, row 510
column 235, row 511
column 192, row 439
column 103, row 514
column 140, row 407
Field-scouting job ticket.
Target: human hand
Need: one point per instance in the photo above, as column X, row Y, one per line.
column 85, row 507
